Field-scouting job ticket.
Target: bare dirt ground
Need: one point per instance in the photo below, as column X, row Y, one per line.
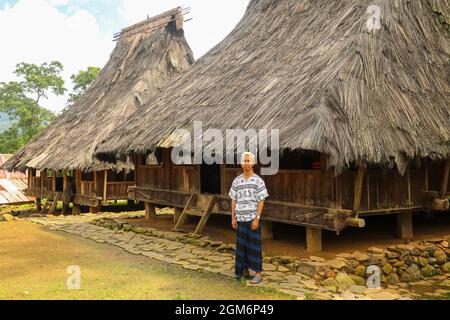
column 34, row 261
column 380, row 231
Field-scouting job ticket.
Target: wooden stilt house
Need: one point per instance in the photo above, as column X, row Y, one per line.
column 147, row 57
column 359, row 91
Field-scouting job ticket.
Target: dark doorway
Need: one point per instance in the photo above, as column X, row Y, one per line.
column 59, row 184
column 210, row 178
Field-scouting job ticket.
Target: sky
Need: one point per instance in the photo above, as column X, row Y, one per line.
column 79, row 33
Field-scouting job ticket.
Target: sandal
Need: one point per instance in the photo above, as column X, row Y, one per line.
column 256, row 280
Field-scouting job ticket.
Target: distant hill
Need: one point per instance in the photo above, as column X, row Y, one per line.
column 4, row 122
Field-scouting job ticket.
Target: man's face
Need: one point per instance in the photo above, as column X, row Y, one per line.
column 247, row 163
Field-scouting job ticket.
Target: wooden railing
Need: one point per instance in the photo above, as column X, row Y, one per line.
column 35, row 183
column 117, row 190
column 87, row 188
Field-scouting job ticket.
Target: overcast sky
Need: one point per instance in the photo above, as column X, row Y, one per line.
column 79, row 33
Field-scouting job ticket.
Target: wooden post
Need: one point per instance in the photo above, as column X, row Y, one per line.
column 30, row 177
column 358, row 188
column 177, row 214
column 105, row 185
column 313, row 239
column 166, row 168
column 137, row 163
column 76, row 210
column 95, row 209
column 150, row 212
column 405, row 226
column 65, row 207
column 444, row 186
column 38, row 204
column 96, row 191
column 266, row 230
column 53, row 180
column 43, row 174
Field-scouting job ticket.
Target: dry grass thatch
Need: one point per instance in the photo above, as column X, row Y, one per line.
column 147, row 56
column 311, row 69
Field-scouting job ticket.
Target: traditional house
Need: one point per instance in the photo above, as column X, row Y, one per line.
column 148, row 55
column 359, row 91
column 12, row 185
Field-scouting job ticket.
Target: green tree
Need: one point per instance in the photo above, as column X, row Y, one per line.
column 20, row 101
column 81, row 82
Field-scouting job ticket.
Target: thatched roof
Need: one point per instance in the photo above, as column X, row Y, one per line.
column 147, row 57
column 312, row 69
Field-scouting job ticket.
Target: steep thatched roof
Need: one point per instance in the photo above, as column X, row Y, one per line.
column 147, row 56
column 312, row 69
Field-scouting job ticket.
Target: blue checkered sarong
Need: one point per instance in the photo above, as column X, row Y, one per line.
column 248, row 248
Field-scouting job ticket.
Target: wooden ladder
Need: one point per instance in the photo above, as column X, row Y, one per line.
column 190, row 210
column 51, row 203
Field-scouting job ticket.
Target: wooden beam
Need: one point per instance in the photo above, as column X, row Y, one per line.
column 445, row 178
column 313, row 239
column 356, row 222
column 358, row 187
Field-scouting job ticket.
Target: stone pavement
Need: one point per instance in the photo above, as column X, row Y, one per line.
column 209, row 259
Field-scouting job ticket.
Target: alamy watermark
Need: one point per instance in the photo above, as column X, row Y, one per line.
column 73, row 281
column 217, row 147
column 374, row 19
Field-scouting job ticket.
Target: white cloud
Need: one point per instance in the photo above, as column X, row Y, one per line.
column 212, row 20
column 35, row 31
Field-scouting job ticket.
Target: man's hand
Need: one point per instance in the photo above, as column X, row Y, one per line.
column 234, row 222
column 255, row 224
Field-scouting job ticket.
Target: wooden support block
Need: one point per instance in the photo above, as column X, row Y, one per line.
column 441, row 204
column 177, row 214
column 76, row 210
column 266, row 230
column 150, row 212
column 405, row 226
column 65, row 208
column 95, row 209
column 356, row 222
column 313, row 239
column 38, row 204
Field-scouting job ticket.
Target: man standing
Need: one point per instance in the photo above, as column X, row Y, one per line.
column 248, row 193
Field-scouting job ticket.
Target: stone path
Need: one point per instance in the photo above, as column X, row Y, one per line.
column 194, row 257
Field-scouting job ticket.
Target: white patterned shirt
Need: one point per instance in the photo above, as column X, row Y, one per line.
column 247, row 193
